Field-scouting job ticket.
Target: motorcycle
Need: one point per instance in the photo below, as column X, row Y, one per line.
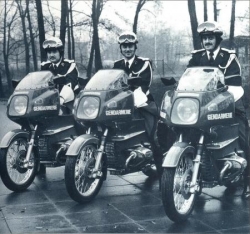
column 201, row 110
column 47, row 128
column 116, row 140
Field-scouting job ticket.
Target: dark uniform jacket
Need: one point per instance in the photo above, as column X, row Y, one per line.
column 226, row 60
column 66, row 68
column 141, row 67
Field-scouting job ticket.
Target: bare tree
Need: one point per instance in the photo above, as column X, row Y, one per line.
column 63, row 24
column 205, row 9
column 97, row 7
column 215, row 10
column 68, row 34
column 194, row 24
column 231, row 36
column 33, row 47
column 7, row 29
column 41, row 28
column 138, row 9
column 23, row 13
column 51, row 22
column 72, row 29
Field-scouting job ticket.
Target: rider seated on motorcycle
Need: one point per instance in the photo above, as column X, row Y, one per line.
column 141, row 68
column 65, row 70
column 226, row 60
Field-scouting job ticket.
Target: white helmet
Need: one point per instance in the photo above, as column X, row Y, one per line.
column 52, row 43
column 209, row 27
column 127, row 37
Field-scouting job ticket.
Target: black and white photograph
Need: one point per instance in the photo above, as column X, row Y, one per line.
column 124, row 116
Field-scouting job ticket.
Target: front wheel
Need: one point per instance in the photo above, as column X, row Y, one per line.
column 14, row 175
column 80, row 184
column 178, row 202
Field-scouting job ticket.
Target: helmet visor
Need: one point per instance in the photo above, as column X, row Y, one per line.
column 207, row 27
column 127, row 38
column 50, row 44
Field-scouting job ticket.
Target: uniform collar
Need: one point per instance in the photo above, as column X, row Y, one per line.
column 57, row 64
column 130, row 61
column 215, row 53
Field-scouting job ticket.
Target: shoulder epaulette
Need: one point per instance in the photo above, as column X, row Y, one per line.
column 118, row 60
column 69, row 61
column 197, row 51
column 144, row 59
column 45, row 62
column 229, row 51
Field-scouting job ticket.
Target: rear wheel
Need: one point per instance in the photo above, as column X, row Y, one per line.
column 178, row 202
column 14, row 175
column 80, row 184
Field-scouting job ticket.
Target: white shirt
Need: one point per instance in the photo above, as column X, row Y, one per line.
column 215, row 53
column 130, row 61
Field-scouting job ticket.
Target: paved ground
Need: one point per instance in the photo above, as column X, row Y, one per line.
column 127, row 204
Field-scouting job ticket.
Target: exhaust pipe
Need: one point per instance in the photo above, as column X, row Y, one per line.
column 234, row 162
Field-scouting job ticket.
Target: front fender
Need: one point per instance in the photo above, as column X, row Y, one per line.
column 173, row 155
column 79, row 142
column 9, row 136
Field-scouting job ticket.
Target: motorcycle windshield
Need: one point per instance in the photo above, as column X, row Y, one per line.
column 200, row 79
column 35, row 80
column 109, row 79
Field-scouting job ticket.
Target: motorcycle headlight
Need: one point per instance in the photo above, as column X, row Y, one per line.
column 88, row 108
column 18, row 105
column 185, row 111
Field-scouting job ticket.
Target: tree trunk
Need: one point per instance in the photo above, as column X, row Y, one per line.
column 205, row 10
column 91, row 59
column 72, row 31
column 215, row 10
column 26, row 44
column 231, row 36
column 63, row 25
column 41, row 29
column 138, row 9
column 33, row 47
column 6, row 40
column 68, row 33
column 194, row 24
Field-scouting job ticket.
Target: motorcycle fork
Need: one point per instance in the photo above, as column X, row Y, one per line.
column 194, row 187
column 100, row 152
column 27, row 163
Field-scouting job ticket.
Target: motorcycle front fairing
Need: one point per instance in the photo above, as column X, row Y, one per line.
column 106, row 98
column 200, row 100
column 34, row 96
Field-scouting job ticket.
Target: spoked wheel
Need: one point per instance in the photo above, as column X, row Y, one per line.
column 178, row 202
column 14, row 174
column 80, row 183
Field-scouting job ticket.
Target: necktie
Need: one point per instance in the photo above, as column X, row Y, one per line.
column 211, row 58
column 127, row 67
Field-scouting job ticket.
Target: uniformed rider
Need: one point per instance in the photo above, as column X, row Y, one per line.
column 65, row 70
column 141, row 68
column 226, row 60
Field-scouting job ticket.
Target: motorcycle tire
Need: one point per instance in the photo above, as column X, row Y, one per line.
column 79, row 184
column 14, row 176
column 177, row 201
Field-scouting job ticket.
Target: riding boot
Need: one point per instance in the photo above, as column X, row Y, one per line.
column 41, row 170
column 246, row 180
